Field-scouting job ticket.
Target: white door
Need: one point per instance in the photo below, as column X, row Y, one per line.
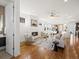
column 9, row 28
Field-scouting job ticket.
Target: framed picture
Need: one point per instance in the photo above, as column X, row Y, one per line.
column 34, row 23
column 22, row 20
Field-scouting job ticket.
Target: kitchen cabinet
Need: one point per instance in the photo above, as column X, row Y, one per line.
column 2, row 41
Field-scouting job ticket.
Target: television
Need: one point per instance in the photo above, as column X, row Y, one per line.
column 34, row 33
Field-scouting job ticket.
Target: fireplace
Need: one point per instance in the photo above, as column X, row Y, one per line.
column 34, row 33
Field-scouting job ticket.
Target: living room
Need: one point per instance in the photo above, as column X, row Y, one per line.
column 39, row 29
column 48, row 25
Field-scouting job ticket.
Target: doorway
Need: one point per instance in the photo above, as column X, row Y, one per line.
column 11, row 29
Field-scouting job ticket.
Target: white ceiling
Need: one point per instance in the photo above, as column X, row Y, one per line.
column 42, row 8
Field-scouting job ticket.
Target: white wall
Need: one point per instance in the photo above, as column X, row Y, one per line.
column 24, row 27
column 12, row 27
column 9, row 28
column 27, row 29
column 16, row 27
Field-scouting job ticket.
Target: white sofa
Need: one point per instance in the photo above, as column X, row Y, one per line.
column 46, row 43
column 61, row 43
column 60, row 39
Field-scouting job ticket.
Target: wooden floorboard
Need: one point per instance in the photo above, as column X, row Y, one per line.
column 29, row 51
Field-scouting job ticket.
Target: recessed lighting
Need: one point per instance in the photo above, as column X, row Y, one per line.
column 65, row 0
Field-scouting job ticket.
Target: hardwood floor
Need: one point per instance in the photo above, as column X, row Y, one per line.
column 36, row 52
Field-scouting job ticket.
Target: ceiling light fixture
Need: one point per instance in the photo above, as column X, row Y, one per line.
column 53, row 14
column 65, row 0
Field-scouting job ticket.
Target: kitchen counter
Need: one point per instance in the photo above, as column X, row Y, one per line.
column 1, row 35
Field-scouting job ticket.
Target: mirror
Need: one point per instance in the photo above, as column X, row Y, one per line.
column 2, row 20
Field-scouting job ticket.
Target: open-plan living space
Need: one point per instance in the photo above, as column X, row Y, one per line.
column 39, row 29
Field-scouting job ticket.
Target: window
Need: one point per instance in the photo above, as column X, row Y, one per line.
column 2, row 20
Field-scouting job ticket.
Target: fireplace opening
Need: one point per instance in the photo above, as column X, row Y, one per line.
column 34, row 33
